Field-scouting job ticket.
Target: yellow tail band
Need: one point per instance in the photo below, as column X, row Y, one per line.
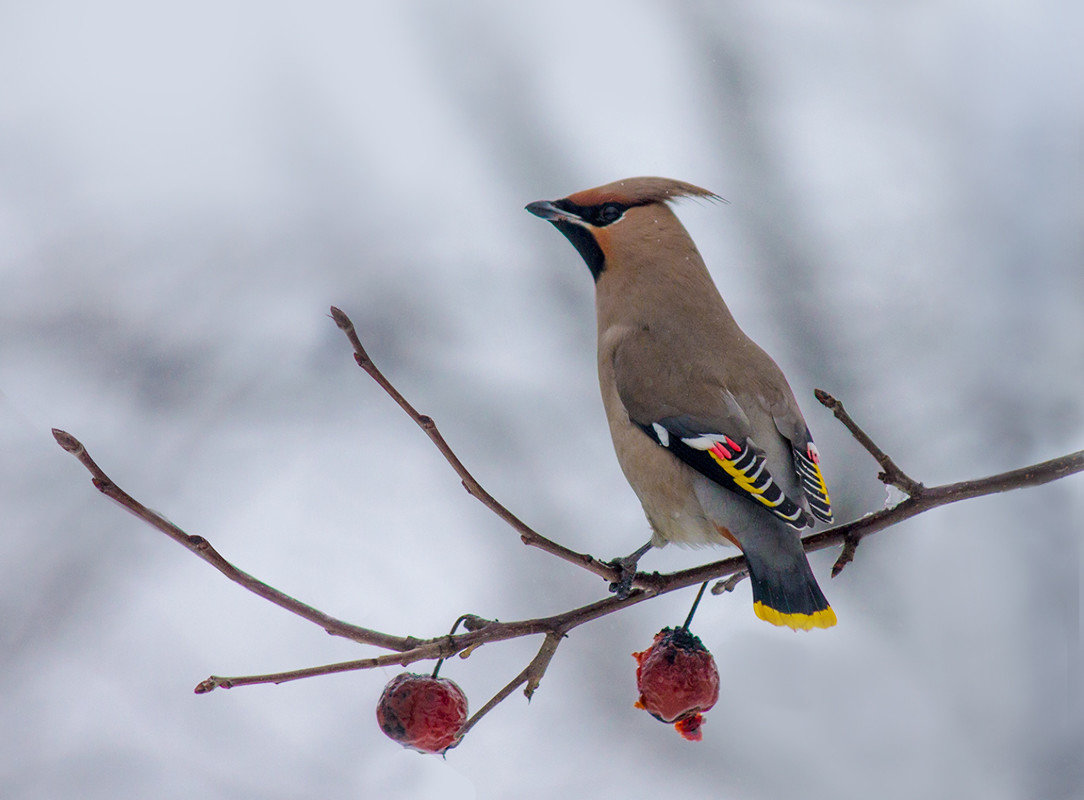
column 825, row 618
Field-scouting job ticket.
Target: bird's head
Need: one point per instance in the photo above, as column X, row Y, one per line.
column 603, row 221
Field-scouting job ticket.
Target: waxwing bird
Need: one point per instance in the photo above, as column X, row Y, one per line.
column 705, row 426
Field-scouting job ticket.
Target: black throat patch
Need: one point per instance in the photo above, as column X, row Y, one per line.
column 597, row 216
column 585, row 245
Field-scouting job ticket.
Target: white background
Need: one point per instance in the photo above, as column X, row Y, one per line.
column 186, row 188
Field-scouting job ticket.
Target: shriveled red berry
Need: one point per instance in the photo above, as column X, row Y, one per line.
column 678, row 680
column 422, row 712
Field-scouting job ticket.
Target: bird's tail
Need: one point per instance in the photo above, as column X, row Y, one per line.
column 786, row 593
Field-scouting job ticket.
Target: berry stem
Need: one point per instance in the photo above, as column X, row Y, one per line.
column 696, row 602
column 440, row 661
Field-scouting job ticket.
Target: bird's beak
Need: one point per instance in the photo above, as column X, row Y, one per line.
column 549, row 212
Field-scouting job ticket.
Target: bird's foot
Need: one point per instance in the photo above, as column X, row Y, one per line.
column 623, row 585
column 626, row 566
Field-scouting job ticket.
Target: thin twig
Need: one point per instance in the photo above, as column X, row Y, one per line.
column 730, row 583
column 202, row 548
column 527, row 534
column 432, row 650
column 890, row 472
column 531, row 675
column 446, row 646
column 846, row 553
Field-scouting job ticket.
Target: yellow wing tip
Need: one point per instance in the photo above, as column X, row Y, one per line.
column 825, row 618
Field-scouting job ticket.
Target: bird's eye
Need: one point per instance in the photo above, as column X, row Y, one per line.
column 610, row 212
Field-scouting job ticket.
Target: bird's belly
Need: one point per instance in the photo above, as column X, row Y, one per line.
column 688, row 528
column 665, row 489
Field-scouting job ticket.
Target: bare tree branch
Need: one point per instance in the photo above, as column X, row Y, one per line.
column 447, row 646
column 931, row 497
column 202, row 548
column 409, row 649
column 922, row 498
column 531, row 675
column 890, row 474
column 527, row 534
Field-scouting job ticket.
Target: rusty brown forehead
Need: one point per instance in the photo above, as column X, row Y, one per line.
column 604, row 194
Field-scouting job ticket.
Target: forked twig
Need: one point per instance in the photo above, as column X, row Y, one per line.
column 531, row 675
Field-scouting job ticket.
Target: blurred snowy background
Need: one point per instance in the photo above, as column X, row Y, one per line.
column 186, row 188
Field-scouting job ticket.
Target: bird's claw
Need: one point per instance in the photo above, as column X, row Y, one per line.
column 622, row 587
column 626, row 567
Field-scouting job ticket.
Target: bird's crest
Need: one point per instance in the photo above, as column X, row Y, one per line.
column 640, row 191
